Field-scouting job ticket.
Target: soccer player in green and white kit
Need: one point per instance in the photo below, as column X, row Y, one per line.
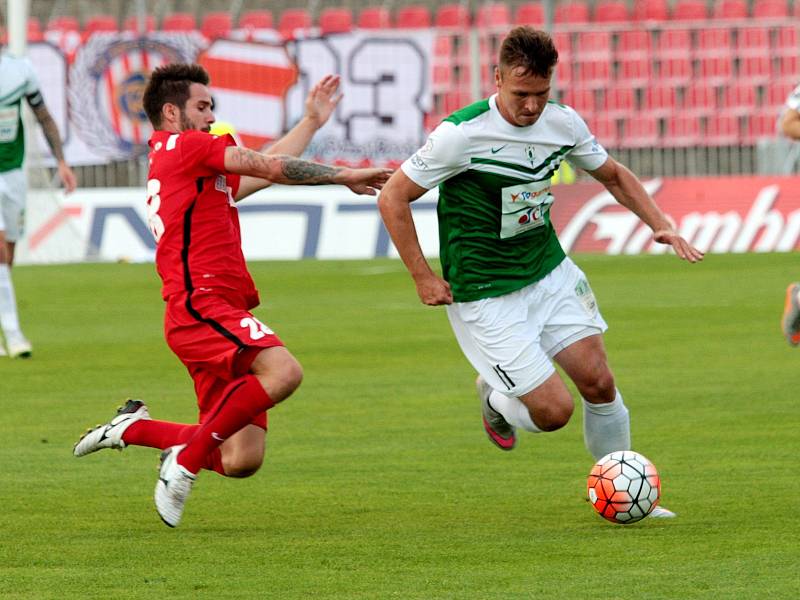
column 515, row 301
column 18, row 81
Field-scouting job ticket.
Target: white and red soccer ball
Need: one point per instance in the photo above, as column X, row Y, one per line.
column 624, row 487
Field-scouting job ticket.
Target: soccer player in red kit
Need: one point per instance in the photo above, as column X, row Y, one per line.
column 239, row 366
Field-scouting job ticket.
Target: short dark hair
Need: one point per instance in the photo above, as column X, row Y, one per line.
column 530, row 49
column 169, row 84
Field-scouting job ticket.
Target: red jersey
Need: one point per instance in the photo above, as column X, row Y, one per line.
column 192, row 214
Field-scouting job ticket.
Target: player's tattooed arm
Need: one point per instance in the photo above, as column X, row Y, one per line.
column 262, row 169
column 50, row 130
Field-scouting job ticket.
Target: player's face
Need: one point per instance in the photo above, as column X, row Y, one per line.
column 521, row 96
column 199, row 110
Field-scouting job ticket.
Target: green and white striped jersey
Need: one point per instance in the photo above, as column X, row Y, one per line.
column 17, row 81
column 495, row 234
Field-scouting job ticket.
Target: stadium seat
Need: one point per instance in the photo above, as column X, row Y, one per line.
column 689, row 10
column 752, row 40
column 493, row 14
column 99, row 23
column 777, row 93
column 179, row 22
column 760, row 125
column 722, row 130
column 257, row 19
column 581, row 99
column 619, row 101
column 293, row 19
column 605, row 129
column 660, row 100
column 756, row 68
column 413, row 17
column 563, row 43
column 676, row 70
column 674, row 42
column 714, row 42
column 335, row 20
column 132, row 23
column 374, row 17
column 573, row 12
column 63, row 23
column 786, row 67
column 640, row 131
column 740, row 98
column 700, row 99
column 634, row 42
column 730, row 9
column 786, row 40
column 770, row 9
column 593, row 44
column 456, row 100
column 35, row 33
column 635, row 70
column 452, row 15
column 530, row 13
column 216, row 25
column 650, row 10
column 715, row 70
column 611, row 11
column 682, row 130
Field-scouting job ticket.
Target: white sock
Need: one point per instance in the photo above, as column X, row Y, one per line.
column 9, row 320
column 513, row 411
column 606, row 427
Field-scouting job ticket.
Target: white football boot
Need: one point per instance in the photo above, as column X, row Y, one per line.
column 659, row 512
column 110, row 434
column 18, row 346
column 173, row 486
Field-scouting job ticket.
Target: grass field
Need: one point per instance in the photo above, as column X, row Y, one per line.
column 379, row 481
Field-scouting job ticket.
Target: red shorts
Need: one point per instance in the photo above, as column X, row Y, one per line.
column 217, row 338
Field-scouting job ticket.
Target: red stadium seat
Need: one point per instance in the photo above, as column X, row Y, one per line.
column 722, row 130
column 714, row 42
column 770, row 9
column 682, row 130
column 35, row 33
column 689, row 10
column 650, row 10
column 530, row 13
column 752, row 40
column 786, row 68
column 573, row 12
column 100, row 23
column 674, row 69
column 635, row 70
column 740, row 98
column 494, row 14
column 257, row 19
column 700, row 99
column 674, row 42
column 634, row 42
column 611, row 11
column 730, row 9
column 618, row 101
column 132, row 23
column 786, row 40
column 179, row 22
column 63, row 23
column 335, row 20
column 760, row 125
column 777, row 93
column 452, row 15
column 593, row 44
column 755, row 68
column 640, row 131
column 581, row 99
column 605, row 129
column 216, row 25
column 660, row 100
column 293, row 19
column 414, row 17
column 715, row 70
column 375, row 17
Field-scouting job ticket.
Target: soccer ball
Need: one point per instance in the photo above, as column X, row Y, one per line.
column 624, row 487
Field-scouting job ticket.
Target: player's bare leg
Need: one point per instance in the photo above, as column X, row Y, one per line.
column 15, row 342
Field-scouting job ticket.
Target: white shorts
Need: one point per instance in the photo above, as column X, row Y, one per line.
column 511, row 340
column 13, row 189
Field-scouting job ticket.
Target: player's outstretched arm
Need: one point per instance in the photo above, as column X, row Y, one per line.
column 289, row 170
column 50, row 130
column 394, row 204
column 630, row 193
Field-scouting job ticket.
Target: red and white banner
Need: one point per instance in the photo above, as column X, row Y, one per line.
column 730, row 214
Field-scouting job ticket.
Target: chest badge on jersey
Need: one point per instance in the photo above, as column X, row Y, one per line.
column 524, row 207
column 530, row 152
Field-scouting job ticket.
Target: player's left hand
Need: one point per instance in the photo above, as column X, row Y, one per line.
column 323, row 99
column 682, row 248
column 67, row 177
column 364, row 181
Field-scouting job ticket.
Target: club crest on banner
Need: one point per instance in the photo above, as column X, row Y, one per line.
column 107, row 83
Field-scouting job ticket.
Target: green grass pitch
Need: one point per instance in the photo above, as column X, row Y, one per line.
column 379, row 481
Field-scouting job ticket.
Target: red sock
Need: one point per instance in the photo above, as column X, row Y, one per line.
column 242, row 400
column 163, row 434
column 158, row 434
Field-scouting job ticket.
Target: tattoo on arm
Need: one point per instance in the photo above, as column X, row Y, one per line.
column 50, row 130
column 281, row 168
column 309, row 173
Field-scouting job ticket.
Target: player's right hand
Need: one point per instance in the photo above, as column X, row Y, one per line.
column 433, row 290
column 364, row 181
